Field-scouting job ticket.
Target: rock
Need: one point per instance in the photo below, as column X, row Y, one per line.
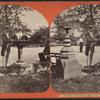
column 72, row 68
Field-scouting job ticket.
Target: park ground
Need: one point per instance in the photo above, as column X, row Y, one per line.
column 81, row 58
column 40, row 82
column 87, row 83
column 30, row 55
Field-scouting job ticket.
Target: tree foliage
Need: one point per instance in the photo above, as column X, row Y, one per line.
column 86, row 17
column 10, row 16
column 41, row 36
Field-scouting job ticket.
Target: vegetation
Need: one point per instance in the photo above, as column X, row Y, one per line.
column 89, row 83
column 10, row 17
column 41, row 36
column 38, row 82
column 85, row 18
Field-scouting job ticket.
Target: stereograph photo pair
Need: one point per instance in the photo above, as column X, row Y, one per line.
column 64, row 55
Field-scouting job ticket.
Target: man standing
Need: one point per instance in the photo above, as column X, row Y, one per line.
column 5, row 50
column 90, row 47
column 81, row 44
column 17, row 38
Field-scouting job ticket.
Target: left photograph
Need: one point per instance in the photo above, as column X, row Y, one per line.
column 24, row 47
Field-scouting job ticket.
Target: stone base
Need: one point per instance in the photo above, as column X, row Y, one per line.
column 72, row 68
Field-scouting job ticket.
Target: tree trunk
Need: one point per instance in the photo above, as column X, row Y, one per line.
column 20, row 54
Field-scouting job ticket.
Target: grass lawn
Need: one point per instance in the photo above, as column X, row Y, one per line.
column 90, row 83
column 40, row 82
column 27, row 84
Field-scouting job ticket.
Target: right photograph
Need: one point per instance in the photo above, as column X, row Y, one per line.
column 75, row 49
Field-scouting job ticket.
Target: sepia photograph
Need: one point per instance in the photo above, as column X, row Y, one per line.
column 24, row 47
column 74, row 49
column 49, row 49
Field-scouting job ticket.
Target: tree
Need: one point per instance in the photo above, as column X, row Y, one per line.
column 60, row 29
column 86, row 17
column 10, row 16
column 41, row 36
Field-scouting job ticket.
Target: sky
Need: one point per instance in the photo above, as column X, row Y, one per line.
column 34, row 20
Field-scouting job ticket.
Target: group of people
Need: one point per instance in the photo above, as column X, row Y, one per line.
column 8, row 39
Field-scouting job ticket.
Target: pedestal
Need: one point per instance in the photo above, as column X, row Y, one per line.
column 71, row 66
